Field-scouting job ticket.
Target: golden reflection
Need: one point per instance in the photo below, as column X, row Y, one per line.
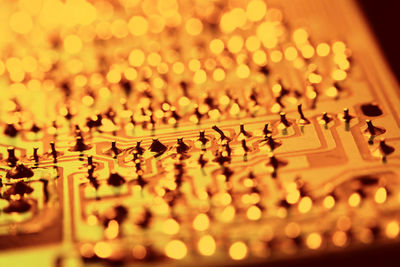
column 155, row 129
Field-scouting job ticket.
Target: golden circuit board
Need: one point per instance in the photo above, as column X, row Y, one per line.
column 166, row 132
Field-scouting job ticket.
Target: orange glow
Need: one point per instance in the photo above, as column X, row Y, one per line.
column 256, row 10
column 139, row 252
column 305, row 205
column 87, row 250
column 102, row 249
column 339, row 238
column 136, row 57
column 216, row 46
column 314, row 240
column 260, row 58
column 227, row 214
column 138, row 25
column 300, row 36
column 201, row 222
column 252, row 43
column 235, row 44
column 206, row 245
column 194, row 26
column 323, row 49
column 112, row 230
column 21, row 22
column 148, row 131
column 392, row 229
column 176, row 249
column 380, row 195
column 238, row 250
column 72, row 44
column 292, row 230
column 354, row 200
column 254, row 213
column 329, row 202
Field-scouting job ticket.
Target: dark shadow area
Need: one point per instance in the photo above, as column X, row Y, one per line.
column 369, row 256
column 384, row 18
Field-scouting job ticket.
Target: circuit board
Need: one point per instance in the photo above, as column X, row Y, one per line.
column 215, row 133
